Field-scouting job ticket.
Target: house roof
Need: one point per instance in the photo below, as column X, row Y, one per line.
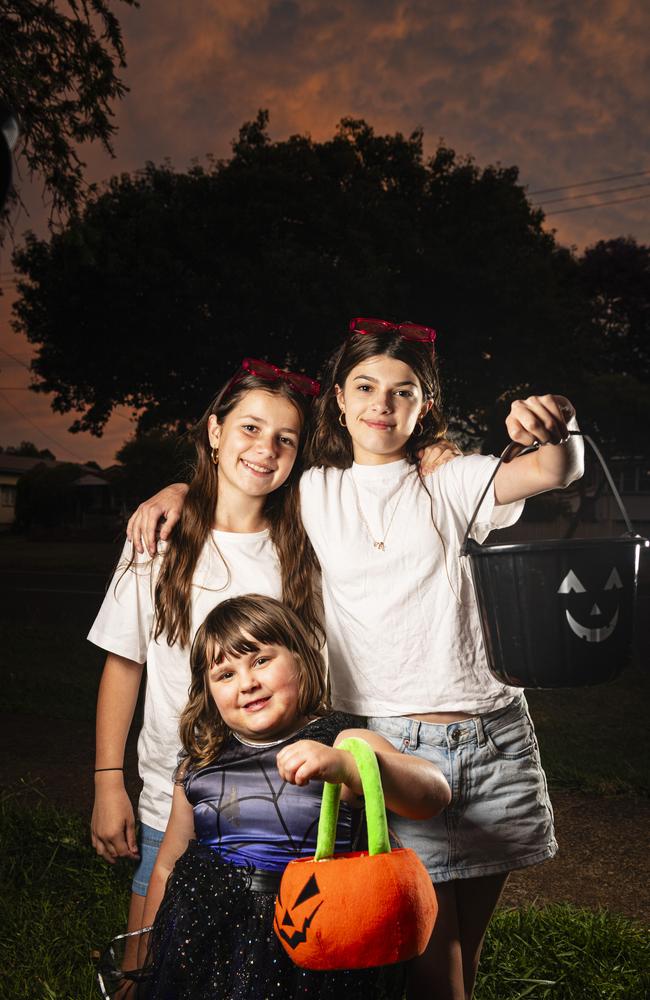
column 90, row 479
column 20, row 464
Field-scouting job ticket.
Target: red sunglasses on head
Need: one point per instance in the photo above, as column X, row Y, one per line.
column 409, row 331
column 271, row 373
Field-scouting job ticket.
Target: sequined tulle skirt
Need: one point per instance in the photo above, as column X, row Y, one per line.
column 213, row 939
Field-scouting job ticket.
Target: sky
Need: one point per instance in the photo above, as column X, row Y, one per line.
column 559, row 89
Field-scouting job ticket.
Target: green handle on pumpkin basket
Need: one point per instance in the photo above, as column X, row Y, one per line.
column 378, row 842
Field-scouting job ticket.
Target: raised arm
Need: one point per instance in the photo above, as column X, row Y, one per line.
column 547, row 420
column 412, row 787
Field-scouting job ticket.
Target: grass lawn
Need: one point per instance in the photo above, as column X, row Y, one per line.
column 19, row 552
column 52, row 672
column 596, row 739
column 59, row 904
column 592, row 739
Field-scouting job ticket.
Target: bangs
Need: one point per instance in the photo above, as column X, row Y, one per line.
column 237, row 641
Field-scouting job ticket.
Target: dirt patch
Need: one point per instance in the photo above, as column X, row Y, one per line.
column 603, row 859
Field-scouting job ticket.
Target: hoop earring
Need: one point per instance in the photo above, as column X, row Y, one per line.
column 215, row 455
column 419, row 433
column 342, row 419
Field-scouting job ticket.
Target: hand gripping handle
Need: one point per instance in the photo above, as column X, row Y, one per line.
column 514, row 450
column 378, row 842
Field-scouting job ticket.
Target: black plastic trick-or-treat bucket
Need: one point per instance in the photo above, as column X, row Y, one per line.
column 557, row 613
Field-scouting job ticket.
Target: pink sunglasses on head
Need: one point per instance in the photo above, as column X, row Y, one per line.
column 409, row 331
column 271, row 373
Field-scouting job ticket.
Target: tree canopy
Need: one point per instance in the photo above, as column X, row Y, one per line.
column 152, row 460
column 154, row 292
column 27, row 449
column 59, row 76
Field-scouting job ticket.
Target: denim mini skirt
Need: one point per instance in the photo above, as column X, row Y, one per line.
column 500, row 816
column 149, row 841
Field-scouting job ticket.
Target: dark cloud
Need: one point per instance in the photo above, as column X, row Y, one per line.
column 559, row 89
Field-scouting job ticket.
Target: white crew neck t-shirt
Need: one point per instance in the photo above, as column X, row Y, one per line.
column 403, row 631
column 230, row 564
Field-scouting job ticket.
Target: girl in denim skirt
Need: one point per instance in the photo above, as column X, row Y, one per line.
column 404, row 641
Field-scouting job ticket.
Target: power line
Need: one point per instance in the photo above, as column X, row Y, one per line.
column 598, row 180
column 594, row 194
column 40, row 431
column 27, row 388
column 14, row 358
column 600, row 204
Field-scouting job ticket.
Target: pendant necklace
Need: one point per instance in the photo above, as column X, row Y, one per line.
column 378, row 543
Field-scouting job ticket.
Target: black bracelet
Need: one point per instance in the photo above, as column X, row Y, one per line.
column 97, row 769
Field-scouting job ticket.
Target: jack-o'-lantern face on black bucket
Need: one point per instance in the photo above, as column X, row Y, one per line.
column 592, row 615
column 557, row 613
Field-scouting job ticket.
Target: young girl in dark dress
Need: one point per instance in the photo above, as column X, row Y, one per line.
column 258, row 742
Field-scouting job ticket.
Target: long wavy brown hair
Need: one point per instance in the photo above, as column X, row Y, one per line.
column 237, row 626
column 298, row 563
column 330, row 444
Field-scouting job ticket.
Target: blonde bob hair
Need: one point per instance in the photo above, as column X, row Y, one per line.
column 237, row 626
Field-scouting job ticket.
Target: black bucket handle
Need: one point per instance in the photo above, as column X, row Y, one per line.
column 514, row 450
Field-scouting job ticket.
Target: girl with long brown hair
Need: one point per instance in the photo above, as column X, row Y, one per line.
column 403, row 632
column 239, row 532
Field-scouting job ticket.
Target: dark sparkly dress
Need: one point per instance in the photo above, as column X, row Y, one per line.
column 213, row 938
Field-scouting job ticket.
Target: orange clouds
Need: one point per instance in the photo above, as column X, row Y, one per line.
column 559, row 89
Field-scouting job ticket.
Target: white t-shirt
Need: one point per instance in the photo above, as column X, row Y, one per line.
column 230, row 564
column 403, row 631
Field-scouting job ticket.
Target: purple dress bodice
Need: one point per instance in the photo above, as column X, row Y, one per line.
column 246, row 812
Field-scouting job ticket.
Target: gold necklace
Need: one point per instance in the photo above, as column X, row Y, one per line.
column 379, row 544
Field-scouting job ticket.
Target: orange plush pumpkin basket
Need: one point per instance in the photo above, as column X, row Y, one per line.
column 356, row 910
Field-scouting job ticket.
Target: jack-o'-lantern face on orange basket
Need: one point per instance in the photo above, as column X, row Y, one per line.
column 292, row 925
column 355, row 910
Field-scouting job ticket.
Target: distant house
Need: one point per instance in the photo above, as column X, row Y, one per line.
column 632, row 478
column 49, row 492
column 12, row 467
column 588, row 508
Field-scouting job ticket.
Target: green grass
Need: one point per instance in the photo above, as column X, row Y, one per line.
column 592, row 739
column 59, row 904
column 51, row 671
column 564, row 953
column 596, row 739
column 20, row 552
